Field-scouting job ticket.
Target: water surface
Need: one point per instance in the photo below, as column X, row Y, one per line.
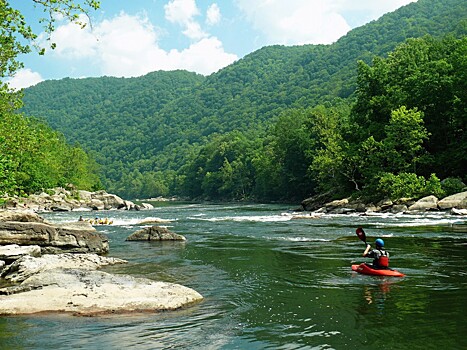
column 271, row 282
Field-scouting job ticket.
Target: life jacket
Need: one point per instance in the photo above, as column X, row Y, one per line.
column 383, row 260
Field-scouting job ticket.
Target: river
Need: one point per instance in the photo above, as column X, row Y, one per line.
column 271, row 282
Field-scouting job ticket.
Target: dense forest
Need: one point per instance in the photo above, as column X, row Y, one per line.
column 381, row 112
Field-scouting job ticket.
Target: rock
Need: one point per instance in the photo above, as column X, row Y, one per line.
column 342, row 211
column 25, row 233
column 60, row 208
column 458, row 201
column 12, row 252
column 96, row 204
column 384, row 204
column 424, row 204
column 144, row 206
column 371, row 208
column 64, row 200
column 150, row 220
column 82, row 292
column 398, row 208
column 155, row 233
column 110, row 201
column 316, row 202
column 337, row 204
column 129, row 205
column 455, row 211
column 79, row 237
column 84, row 196
column 20, row 216
column 27, row 266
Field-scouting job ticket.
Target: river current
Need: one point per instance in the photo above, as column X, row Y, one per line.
column 273, row 282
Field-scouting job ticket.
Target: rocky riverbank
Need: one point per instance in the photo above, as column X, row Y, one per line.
column 60, row 199
column 46, row 267
column 456, row 204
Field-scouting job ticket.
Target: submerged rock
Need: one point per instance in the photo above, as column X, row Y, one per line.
column 151, row 220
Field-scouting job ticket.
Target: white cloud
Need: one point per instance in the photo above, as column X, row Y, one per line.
column 24, row 78
column 193, row 31
column 182, row 12
column 310, row 21
column 128, row 46
column 295, row 21
column 74, row 42
column 205, row 56
column 213, row 15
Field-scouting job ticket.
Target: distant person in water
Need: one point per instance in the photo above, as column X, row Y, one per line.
column 379, row 255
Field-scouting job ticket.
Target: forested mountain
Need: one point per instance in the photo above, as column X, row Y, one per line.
column 232, row 134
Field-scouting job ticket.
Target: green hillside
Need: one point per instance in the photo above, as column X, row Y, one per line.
column 152, row 134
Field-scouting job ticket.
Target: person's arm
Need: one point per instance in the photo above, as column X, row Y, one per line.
column 367, row 250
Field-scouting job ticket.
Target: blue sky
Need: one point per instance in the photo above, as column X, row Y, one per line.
column 134, row 37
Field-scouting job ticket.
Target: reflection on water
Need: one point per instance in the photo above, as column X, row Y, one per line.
column 273, row 282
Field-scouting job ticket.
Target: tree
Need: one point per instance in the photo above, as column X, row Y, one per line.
column 426, row 74
column 33, row 155
column 403, row 144
column 330, row 164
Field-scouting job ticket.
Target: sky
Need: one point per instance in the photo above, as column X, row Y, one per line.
column 129, row 38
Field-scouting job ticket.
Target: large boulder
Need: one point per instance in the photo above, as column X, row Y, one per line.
column 110, row 201
column 20, row 216
column 155, row 233
column 82, row 292
column 79, row 237
column 425, row 204
column 458, row 201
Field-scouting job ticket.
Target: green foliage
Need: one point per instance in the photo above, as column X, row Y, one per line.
column 7, row 178
column 452, row 185
column 424, row 74
column 223, row 168
column 408, row 185
column 34, row 157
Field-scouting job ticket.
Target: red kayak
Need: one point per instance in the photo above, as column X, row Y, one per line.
column 368, row 270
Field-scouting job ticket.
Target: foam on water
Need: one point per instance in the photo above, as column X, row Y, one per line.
column 263, row 218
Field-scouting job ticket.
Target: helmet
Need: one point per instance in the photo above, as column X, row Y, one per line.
column 379, row 242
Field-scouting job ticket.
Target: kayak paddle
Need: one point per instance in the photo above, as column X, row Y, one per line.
column 361, row 234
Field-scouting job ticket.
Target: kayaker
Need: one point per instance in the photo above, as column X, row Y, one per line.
column 379, row 255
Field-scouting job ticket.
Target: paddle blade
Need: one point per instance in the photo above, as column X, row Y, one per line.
column 361, row 234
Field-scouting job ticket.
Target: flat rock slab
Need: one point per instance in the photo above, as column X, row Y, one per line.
column 27, row 266
column 14, row 251
column 84, row 292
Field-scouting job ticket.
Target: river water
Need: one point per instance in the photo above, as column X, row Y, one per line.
column 272, row 282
